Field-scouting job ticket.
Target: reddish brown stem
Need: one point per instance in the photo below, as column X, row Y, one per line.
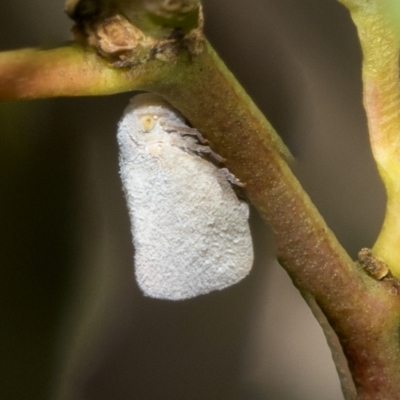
column 363, row 312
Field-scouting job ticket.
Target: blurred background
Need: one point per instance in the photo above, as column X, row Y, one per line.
column 73, row 323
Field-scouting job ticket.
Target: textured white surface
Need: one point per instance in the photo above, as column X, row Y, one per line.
column 190, row 231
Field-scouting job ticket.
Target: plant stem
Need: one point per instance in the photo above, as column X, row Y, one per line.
column 361, row 310
column 72, row 70
column 380, row 42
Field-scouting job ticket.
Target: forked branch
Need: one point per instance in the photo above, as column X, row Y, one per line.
column 158, row 46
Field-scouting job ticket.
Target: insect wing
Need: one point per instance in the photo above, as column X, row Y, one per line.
column 190, row 230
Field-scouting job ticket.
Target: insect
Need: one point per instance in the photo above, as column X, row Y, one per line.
column 190, row 230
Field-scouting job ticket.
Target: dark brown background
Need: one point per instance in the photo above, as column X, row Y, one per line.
column 71, row 316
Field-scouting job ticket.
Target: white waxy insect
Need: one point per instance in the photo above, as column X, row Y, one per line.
column 190, row 230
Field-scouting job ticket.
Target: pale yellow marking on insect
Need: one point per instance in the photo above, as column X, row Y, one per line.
column 148, row 122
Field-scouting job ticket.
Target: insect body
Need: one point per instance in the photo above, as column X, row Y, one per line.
column 190, row 230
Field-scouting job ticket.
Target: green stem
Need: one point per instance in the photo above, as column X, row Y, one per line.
column 380, row 42
column 72, row 70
